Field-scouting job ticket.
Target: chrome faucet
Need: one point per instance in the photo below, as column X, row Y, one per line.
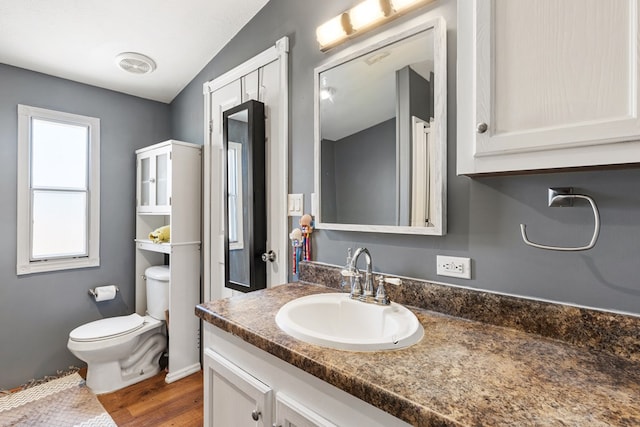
column 366, row 294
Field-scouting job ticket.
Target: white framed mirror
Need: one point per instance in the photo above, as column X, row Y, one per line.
column 381, row 133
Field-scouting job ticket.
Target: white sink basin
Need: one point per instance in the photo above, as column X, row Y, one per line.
column 334, row 320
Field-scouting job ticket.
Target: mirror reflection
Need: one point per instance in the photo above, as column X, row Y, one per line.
column 245, row 233
column 381, row 135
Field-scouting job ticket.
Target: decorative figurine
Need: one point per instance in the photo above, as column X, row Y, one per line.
column 306, row 226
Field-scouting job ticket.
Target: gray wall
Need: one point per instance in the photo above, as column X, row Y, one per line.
column 415, row 98
column 484, row 213
column 328, row 180
column 365, row 176
column 37, row 311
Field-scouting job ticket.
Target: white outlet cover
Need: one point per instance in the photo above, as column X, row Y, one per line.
column 453, row 266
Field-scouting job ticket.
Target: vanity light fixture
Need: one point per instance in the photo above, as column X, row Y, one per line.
column 360, row 18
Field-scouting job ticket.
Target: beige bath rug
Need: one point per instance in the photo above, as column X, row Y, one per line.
column 63, row 402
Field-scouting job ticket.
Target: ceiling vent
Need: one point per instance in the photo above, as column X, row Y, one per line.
column 135, row 63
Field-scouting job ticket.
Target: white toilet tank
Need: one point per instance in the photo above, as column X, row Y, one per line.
column 157, row 291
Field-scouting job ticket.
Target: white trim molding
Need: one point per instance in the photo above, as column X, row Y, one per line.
column 277, row 181
column 24, row 264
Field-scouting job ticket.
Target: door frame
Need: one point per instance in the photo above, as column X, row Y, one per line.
column 277, row 179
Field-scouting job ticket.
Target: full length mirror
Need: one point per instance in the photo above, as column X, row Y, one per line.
column 380, row 143
column 245, row 230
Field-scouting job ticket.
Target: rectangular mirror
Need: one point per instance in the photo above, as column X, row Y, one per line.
column 245, row 207
column 380, row 133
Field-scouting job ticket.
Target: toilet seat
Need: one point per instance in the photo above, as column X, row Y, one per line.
column 107, row 328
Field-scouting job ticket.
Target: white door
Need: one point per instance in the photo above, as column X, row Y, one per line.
column 264, row 76
column 154, row 184
column 233, row 397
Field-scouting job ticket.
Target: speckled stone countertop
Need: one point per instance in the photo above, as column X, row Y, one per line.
column 462, row 373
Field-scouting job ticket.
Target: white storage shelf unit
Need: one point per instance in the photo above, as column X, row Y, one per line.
column 179, row 207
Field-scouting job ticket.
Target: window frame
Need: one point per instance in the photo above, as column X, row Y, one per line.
column 24, row 264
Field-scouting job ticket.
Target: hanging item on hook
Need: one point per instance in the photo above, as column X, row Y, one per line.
column 301, row 243
column 306, row 226
column 296, row 243
column 564, row 197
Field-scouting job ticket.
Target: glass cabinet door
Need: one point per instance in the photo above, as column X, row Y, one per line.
column 162, row 179
column 145, row 181
column 154, row 184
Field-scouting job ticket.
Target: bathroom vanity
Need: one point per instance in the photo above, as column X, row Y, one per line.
column 485, row 359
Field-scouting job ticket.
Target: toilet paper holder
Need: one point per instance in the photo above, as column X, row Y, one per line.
column 94, row 294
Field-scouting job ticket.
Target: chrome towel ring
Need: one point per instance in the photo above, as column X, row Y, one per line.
column 564, row 197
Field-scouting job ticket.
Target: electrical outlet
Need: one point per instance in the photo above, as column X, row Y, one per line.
column 453, row 266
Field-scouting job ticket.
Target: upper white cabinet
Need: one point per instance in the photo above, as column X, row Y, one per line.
column 546, row 84
column 153, row 192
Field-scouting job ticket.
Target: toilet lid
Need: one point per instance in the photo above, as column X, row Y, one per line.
column 107, row 328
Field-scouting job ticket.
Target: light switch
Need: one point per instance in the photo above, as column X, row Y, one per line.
column 295, row 204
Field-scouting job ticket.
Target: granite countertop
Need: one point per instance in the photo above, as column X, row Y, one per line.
column 462, row 373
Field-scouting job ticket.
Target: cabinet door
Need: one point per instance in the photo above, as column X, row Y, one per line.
column 547, row 84
column 290, row 413
column 232, row 397
column 154, row 181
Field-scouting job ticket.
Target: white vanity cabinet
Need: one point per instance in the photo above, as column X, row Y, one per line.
column 547, row 84
column 169, row 193
column 236, row 398
column 242, row 382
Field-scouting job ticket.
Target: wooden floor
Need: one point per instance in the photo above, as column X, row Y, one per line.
column 155, row 403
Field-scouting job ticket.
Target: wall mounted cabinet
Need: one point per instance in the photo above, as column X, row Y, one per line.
column 153, row 189
column 169, row 193
column 545, row 84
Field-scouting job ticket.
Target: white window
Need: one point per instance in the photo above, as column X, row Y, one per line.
column 58, row 190
column 234, row 190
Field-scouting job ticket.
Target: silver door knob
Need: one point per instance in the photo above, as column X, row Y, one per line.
column 482, row 127
column 269, row 256
column 255, row 415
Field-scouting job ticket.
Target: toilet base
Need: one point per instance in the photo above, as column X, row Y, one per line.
column 109, row 376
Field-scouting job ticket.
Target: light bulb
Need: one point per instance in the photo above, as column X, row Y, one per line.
column 365, row 14
column 330, row 32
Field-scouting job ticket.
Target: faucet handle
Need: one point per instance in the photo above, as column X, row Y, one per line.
column 356, row 287
column 381, row 293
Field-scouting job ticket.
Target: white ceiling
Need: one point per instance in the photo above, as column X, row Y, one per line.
column 79, row 39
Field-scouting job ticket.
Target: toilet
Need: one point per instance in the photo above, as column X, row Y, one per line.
column 120, row 351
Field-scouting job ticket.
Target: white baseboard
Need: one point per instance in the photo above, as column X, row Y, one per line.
column 184, row 372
